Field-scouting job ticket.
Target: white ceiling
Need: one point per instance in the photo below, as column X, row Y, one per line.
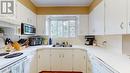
column 45, row 3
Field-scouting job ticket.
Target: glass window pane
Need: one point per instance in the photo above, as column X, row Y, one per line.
column 53, row 28
column 66, row 28
column 72, row 31
column 60, row 29
column 72, row 22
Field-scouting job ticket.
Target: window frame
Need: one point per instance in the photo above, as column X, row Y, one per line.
column 64, row 18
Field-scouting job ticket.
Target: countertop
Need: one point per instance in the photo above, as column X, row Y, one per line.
column 121, row 63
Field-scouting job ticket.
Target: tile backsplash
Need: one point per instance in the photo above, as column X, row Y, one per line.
column 112, row 43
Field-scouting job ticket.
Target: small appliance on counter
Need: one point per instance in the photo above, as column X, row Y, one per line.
column 35, row 40
column 89, row 40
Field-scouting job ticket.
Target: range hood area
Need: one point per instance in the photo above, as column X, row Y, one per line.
column 9, row 22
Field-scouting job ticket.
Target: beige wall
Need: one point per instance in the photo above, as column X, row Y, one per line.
column 74, row 41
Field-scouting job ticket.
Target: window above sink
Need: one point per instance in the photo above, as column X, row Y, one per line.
column 62, row 26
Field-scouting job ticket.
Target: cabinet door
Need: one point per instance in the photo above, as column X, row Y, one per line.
column 91, row 23
column 61, row 60
column 21, row 12
column 44, row 60
column 89, row 64
column 66, row 60
column 115, row 16
column 41, row 25
column 99, row 19
column 56, row 58
column 128, row 17
column 6, row 70
column 17, row 68
column 33, row 63
column 83, row 25
column 79, row 61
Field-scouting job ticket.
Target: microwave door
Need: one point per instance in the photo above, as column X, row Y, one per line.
column 27, row 29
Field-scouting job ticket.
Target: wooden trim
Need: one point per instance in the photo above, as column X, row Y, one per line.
column 29, row 5
column 94, row 4
column 62, row 10
column 60, row 72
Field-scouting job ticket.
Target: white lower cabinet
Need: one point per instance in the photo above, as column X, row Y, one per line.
column 56, row 60
column 79, row 61
column 67, row 63
column 62, row 60
column 44, row 60
column 32, row 59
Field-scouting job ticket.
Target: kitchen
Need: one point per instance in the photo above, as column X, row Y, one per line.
column 56, row 36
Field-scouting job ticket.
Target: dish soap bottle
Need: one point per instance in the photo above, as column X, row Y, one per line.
column 50, row 41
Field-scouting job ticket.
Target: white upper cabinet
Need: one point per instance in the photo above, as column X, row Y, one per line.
column 115, row 16
column 25, row 15
column 96, row 20
column 83, row 25
column 41, row 25
column 10, row 18
column 128, row 29
column 99, row 19
column 91, row 23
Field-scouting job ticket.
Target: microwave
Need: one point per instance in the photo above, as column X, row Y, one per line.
column 27, row 29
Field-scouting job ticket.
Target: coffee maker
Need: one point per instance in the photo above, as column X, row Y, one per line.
column 89, row 39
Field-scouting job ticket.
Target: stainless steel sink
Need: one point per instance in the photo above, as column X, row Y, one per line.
column 61, row 45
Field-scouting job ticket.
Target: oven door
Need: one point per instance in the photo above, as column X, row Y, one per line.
column 17, row 68
column 6, row 70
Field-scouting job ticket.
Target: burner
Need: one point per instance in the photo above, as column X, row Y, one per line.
column 13, row 55
column 3, row 54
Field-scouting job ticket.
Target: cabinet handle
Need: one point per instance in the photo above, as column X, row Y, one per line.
column 84, row 57
column 39, row 56
column 63, row 56
column 59, row 55
column 121, row 26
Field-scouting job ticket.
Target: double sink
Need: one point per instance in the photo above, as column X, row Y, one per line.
column 61, row 45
